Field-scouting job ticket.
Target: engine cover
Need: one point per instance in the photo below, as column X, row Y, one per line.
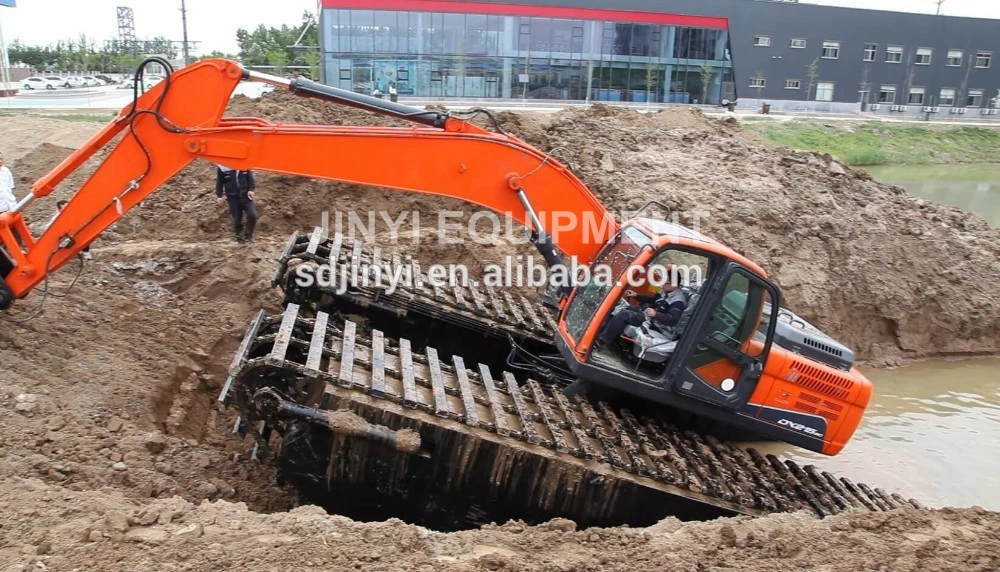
column 797, row 335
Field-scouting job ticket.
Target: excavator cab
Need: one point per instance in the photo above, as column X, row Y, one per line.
column 711, row 358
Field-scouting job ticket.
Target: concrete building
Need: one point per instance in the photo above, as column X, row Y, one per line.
column 791, row 55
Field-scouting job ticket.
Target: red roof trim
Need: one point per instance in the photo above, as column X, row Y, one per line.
column 537, row 11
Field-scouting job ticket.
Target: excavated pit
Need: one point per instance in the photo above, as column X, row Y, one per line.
column 492, row 446
column 463, row 477
column 456, row 485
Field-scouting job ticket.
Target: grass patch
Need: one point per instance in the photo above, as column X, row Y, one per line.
column 879, row 143
column 865, row 156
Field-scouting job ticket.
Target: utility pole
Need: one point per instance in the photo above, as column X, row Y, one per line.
column 5, row 82
column 184, row 22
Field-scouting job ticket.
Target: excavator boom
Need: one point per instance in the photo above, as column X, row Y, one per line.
column 181, row 119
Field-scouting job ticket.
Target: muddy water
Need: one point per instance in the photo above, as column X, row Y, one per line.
column 974, row 188
column 932, row 432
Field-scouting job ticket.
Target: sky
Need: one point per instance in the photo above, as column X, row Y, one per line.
column 214, row 22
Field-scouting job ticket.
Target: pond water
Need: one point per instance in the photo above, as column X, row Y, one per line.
column 931, row 432
column 974, row 187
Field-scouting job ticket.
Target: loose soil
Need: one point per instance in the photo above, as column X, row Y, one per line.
column 110, row 442
column 48, row 527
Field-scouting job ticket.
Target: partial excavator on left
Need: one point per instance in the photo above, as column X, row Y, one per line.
column 391, row 422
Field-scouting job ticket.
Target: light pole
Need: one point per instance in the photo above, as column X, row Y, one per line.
column 5, row 82
column 939, row 3
column 184, row 23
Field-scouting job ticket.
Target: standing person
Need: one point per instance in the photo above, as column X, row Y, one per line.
column 393, row 93
column 237, row 188
column 7, row 199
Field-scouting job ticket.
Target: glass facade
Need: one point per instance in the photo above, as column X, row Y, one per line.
column 432, row 54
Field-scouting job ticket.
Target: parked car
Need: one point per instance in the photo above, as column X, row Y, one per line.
column 148, row 81
column 106, row 79
column 59, row 81
column 91, row 81
column 37, row 83
column 147, row 84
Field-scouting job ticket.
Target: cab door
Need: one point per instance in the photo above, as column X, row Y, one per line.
column 722, row 358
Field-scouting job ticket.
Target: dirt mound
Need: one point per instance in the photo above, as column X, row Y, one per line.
column 114, row 384
column 284, row 107
column 50, row 527
column 24, row 131
column 891, row 275
column 884, row 272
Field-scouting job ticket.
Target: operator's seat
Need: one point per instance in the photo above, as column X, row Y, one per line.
column 654, row 343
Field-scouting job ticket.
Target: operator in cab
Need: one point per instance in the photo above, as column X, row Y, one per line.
column 663, row 308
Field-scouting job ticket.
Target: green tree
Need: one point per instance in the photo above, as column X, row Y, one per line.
column 256, row 46
column 812, row 72
column 218, row 54
column 705, row 71
column 312, row 59
column 278, row 59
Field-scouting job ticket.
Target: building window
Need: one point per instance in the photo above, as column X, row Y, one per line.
column 983, row 59
column 757, row 82
column 954, row 58
column 798, row 43
column 345, row 74
column 894, row 54
column 887, row 94
column 525, row 29
column 577, row 31
column 975, row 98
column 824, row 91
column 762, row 41
column 871, row 50
column 947, row 96
column 916, row 96
column 924, row 56
column 793, row 84
column 831, row 50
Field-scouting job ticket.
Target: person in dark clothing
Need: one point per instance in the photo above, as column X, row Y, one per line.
column 664, row 309
column 237, row 188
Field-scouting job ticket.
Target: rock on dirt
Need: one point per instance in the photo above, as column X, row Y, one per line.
column 155, row 442
column 67, row 533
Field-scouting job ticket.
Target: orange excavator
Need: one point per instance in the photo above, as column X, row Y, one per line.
column 734, row 355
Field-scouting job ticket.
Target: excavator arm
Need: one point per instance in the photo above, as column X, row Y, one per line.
column 181, row 119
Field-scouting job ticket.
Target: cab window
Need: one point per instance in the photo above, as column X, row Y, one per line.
column 604, row 273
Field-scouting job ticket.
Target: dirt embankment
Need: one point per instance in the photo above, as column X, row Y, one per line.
column 111, row 390
column 893, row 276
column 62, row 530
